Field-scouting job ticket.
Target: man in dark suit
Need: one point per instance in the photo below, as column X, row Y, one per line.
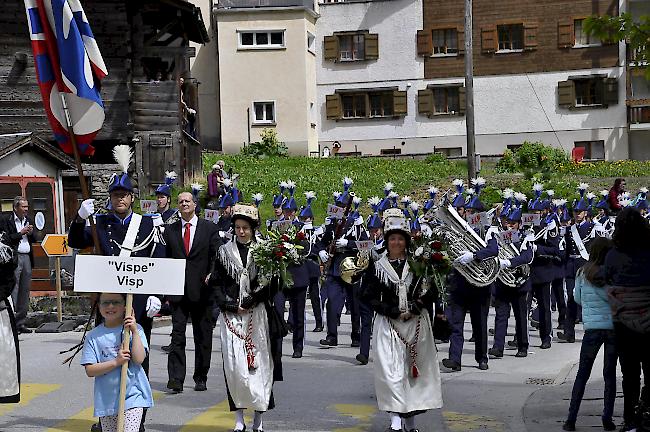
column 196, row 241
column 19, row 234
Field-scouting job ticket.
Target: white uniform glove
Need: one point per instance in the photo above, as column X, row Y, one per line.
column 341, row 243
column 324, row 256
column 504, row 263
column 465, row 258
column 359, row 221
column 87, row 208
column 153, row 306
column 222, row 234
column 426, row 230
column 308, row 226
column 157, row 220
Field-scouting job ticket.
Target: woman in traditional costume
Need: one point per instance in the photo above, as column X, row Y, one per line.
column 243, row 299
column 407, row 375
column 9, row 353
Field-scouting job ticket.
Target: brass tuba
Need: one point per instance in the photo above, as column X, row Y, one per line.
column 511, row 277
column 460, row 237
column 354, row 265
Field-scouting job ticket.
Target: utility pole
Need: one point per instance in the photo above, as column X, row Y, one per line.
column 469, row 91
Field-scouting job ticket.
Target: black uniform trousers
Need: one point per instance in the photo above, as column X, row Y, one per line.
column 365, row 316
column 634, row 356
column 202, row 326
column 557, row 290
column 314, row 297
column 478, row 308
column 337, row 292
column 572, row 308
column 542, row 292
column 507, row 298
column 297, row 297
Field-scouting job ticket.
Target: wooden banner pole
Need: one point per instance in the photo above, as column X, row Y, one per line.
column 126, row 343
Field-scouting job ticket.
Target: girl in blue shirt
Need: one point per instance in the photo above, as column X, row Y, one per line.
column 103, row 358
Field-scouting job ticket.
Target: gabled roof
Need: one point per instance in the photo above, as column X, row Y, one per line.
column 11, row 143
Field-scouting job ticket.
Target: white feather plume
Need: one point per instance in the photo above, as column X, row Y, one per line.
column 478, row 181
column 644, row 190
column 521, row 197
column 348, row 181
column 432, row 190
column 336, row 194
column 470, row 191
column 406, row 199
column 415, row 206
column 550, row 192
column 310, row 194
column 123, row 156
column 583, row 186
column 291, row 184
column 374, row 201
column 392, row 195
column 357, row 200
column 625, row 202
column 258, row 197
column 557, row 202
column 604, row 192
column 507, row 193
column 197, row 186
column 388, row 186
column 171, row 174
column 590, row 195
column 458, row 182
column 283, row 184
column 562, row 202
column 538, row 187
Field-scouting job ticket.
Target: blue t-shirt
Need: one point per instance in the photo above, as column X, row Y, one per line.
column 102, row 344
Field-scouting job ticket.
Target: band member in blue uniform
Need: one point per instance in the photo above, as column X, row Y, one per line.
column 507, row 297
column 226, row 202
column 163, row 197
column 278, row 200
column 562, row 219
column 306, row 216
column 466, row 297
column 542, row 269
column 576, row 237
column 337, row 289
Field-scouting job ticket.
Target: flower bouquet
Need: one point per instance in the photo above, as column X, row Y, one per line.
column 275, row 253
column 430, row 261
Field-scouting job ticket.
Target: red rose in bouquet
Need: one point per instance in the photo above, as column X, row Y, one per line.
column 437, row 257
column 436, row 245
column 300, row 235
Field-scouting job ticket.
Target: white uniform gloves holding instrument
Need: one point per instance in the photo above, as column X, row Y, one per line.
column 153, row 306
column 87, row 208
column 324, row 256
column 504, row 263
column 465, row 258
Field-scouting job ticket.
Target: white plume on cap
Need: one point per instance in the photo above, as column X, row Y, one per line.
column 406, row 199
column 283, row 184
column 171, row 174
column 550, row 192
column 348, row 181
column 123, row 155
column 336, row 194
column 557, row 202
column 507, row 193
column 604, row 192
column 538, row 187
column 357, row 200
column 433, row 189
column 583, row 186
column 521, row 197
column 591, row 195
column 227, row 182
column 291, row 184
column 625, row 202
column 197, row 186
column 470, row 191
column 310, row 194
column 458, row 182
column 258, row 197
column 478, row 181
column 392, row 194
column 644, row 190
column 388, row 186
column 374, row 200
column 561, row 202
column 415, row 206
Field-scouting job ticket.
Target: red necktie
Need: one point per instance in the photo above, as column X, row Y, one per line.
column 186, row 237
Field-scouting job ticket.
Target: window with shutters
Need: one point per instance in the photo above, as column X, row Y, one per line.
column 587, row 92
column 354, row 105
column 272, row 39
column 352, row 47
column 590, row 91
column 446, row 100
column 594, row 150
column 581, row 38
column 511, row 38
column 381, row 104
column 445, row 42
column 264, row 113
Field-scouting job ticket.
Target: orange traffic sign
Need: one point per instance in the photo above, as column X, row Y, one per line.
column 56, row 245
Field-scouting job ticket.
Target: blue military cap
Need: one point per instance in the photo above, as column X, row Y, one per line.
column 602, row 204
column 431, row 202
column 537, row 204
column 475, row 200
column 343, row 199
column 459, row 201
column 290, row 203
column 306, row 211
column 415, row 222
column 278, row 200
column 374, row 220
column 581, row 204
column 123, row 155
column 642, row 199
column 507, row 202
column 166, row 188
column 518, row 200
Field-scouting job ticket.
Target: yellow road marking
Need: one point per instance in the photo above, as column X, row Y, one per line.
column 83, row 420
column 29, row 392
column 461, row 422
column 217, row 418
column 362, row 413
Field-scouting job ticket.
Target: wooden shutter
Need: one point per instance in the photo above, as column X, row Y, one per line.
column 610, row 89
column 565, row 36
column 461, row 40
column 399, row 103
column 462, row 101
column 488, row 40
column 331, row 48
column 566, row 94
column 425, row 44
column 372, row 46
column 530, row 37
column 333, row 106
column 425, row 102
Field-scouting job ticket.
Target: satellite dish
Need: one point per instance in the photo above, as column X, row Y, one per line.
column 39, row 221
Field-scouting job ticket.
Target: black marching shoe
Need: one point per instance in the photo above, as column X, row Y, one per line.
column 451, row 365
column 200, row 386
column 565, row 338
column 511, row 345
column 569, row 425
column 483, row 365
column 297, row 354
column 317, row 329
column 175, row 386
column 545, row 345
column 472, row 339
column 96, row 427
column 609, row 425
column 355, row 343
column 521, row 353
column 23, row 330
column 495, row 353
column 166, row 348
column 362, row 359
column 328, row 342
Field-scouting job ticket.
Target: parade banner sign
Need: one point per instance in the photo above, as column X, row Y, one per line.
column 131, row 275
column 335, row 212
column 510, row 236
column 148, row 206
column 478, row 220
column 281, row 225
column 531, row 219
column 364, row 245
column 212, row 215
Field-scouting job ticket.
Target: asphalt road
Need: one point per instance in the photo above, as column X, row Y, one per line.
column 326, row 390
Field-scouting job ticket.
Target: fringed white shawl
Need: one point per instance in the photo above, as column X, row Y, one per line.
column 387, row 275
column 229, row 256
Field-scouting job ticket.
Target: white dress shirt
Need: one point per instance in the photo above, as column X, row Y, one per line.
column 23, row 246
column 193, row 222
